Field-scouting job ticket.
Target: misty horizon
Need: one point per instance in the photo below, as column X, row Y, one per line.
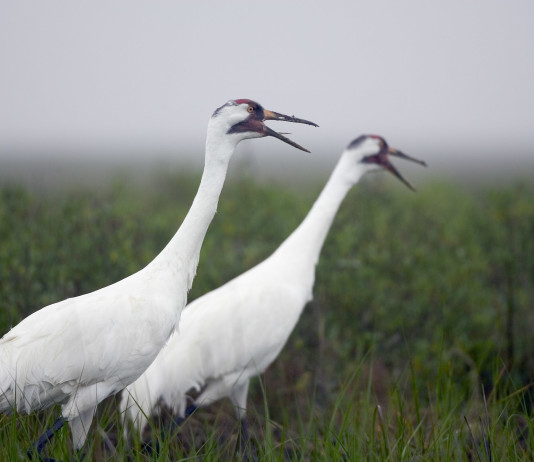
column 97, row 83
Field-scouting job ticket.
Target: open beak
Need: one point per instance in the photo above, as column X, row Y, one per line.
column 270, row 115
column 395, row 152
column 391, row 168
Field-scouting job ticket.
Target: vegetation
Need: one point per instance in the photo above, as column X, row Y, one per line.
column 418, row 344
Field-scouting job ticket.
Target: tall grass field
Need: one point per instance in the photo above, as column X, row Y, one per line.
column 419, row 344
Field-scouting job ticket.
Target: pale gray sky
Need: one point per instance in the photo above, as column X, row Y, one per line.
column 445, row 81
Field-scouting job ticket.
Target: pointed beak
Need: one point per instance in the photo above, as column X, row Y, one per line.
column 397, row 153
column 270, row 115
column 391, row 168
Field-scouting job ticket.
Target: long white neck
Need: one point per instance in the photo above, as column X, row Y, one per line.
column 303, row 247
column 184, row 247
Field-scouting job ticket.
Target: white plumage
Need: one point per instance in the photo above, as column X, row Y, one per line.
column 235, row 332
column 81, row 350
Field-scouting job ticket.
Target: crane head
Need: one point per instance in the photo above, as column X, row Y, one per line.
column 247, row 118
column 375, row 152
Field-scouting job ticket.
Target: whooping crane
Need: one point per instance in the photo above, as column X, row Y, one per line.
column 81, row 350
column 235, row 332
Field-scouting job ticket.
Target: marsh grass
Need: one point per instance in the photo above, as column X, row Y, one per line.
column 417, row 346
column 404, row 424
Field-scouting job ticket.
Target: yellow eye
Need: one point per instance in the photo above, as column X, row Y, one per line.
column 250, row 109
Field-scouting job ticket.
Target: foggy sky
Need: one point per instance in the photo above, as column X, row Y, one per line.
column 450, row 82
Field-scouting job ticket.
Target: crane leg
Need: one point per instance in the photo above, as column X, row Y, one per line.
column 149, row 448
column 243, row 437
column 44, row 439
column 190, row 409
column 178, row 421
column 245, row 448
column 244, row 428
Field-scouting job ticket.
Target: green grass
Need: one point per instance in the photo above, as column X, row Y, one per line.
column 417, row 346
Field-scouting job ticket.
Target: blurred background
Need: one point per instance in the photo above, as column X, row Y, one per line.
column 133, row 83
column 423, row 303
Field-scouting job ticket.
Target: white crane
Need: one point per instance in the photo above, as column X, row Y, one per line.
column 81, row 350
column 235, row 332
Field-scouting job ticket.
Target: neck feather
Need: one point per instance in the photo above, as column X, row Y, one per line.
column 305, row 243
column 184, row 247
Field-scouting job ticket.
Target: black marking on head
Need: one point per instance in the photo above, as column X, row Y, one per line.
column 236, row 102
column 355, row 143
column 253, row 123
column 382, row 141
column 256, row 110
column 379, row 157
column 244, row 101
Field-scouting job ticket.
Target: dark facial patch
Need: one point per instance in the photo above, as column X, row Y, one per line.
column 380, row 158
column 253, row 123
column 258, row 109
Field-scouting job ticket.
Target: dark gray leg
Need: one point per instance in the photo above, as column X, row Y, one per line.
column 244, row 428
column 190, row 409
column 148, row 448
column 180, row 420
column 44, row 439
column 246, row 447
column 243, row 438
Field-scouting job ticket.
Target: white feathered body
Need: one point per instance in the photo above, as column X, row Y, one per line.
column 79, row 351
column 236, row 331
column 224, row 339
column 63, row 354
